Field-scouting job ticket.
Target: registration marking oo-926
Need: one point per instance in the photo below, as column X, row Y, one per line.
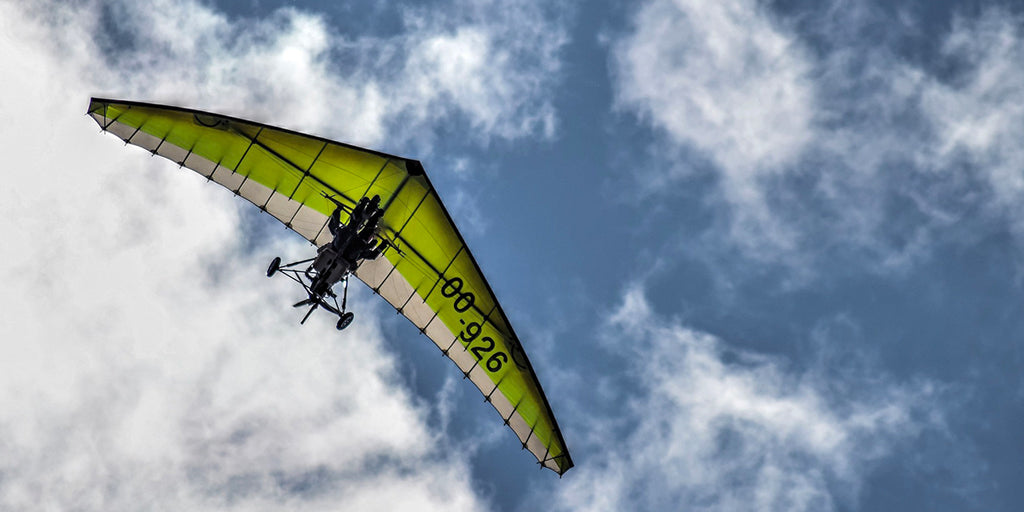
column 463, row 302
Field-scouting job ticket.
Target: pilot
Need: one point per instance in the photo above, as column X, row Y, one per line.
column 343, row 233
column 373, row 247
column 374, row 217
column 336, row 272
column 365, row 246
column 358, row 211
column 352, row 241
column 360, row 215
column 343, row 238
column 324, row 255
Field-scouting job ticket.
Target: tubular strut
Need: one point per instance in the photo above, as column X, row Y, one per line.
column 320, row 301
column 344, row 293
column 290, row 272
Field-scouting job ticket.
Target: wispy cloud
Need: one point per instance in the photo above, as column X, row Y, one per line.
column 821, row 137
column 144, row 362
column 708, row 427
column 725, row 79
column 367, row 89
column 495, row 62
column 978, row 114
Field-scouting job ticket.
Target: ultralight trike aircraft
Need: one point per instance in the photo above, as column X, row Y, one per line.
column 354, row 241
column 371, row 215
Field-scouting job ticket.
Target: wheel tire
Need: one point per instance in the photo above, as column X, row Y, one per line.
column 346, row 318
column 274, row 265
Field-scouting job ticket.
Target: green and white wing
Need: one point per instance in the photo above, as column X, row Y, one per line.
column 428, row 275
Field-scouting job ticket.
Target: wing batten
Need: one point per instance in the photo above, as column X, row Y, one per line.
column 374, row 180
column 308, row 170
column 242, row 159
column 426, row 194
column 292, row 165
column 284, row 172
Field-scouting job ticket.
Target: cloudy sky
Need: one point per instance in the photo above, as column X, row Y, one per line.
column 765, row 255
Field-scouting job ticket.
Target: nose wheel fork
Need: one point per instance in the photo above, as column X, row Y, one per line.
column 345, row 317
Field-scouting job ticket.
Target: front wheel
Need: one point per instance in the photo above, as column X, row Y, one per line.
column 274, row 265
column 346, row 318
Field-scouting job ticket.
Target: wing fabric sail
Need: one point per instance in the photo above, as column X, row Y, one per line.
column 428, row 274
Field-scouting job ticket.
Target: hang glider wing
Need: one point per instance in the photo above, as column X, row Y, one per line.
column 428, row 274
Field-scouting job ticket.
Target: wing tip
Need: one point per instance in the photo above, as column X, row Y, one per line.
column 560, row 464
column 414, row 168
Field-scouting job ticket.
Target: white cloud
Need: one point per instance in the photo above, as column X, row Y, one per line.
column 383, row 91
column 849, row 148
column 726, row 79
column 979, row 116
column 713, row 428
column 491, row 63
column 921, row 153
column 721, row 76
column 144, row 360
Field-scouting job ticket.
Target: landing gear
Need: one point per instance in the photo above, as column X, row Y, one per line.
column 335, row 261
column 274, row 266
column 346, row 318
column 318, row 289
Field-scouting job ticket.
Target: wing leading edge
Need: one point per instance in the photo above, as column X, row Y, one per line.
column 428, row 274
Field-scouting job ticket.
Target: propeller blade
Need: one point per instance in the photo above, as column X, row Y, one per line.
column 310, row 312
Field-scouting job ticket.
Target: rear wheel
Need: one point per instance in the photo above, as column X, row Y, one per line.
column 346, row 318
column 274, row 265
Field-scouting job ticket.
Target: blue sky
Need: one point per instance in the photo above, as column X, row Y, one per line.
column 763, row 255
